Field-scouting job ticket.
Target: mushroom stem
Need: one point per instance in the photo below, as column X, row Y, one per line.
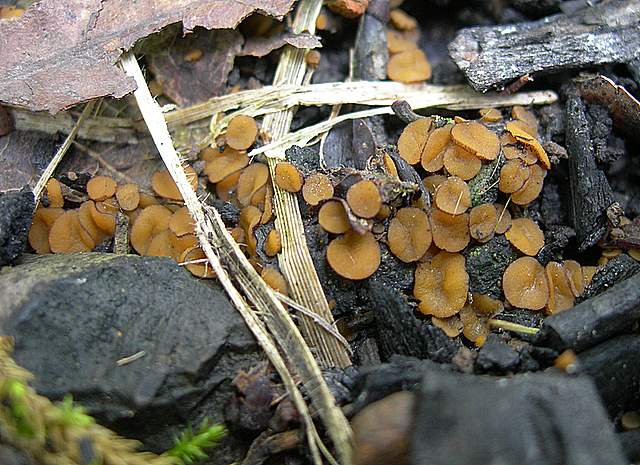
column 509, row 326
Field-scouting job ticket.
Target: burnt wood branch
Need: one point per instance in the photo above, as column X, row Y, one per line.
column 492, row 56
column 590, row 190
column 595, row 320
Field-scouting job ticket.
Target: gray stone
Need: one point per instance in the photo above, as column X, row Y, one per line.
column 74, row 316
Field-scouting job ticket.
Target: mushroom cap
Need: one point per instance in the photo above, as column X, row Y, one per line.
column 275, row 280
column 412, row 142
column 453, row 196
column 181, row 222
column 474, row 327
column 354, row 256
column 477, row 139
column 397, row 42
column 519, row 131
column 128, row 197
column 364, row 199
column 532, row 188
column 402, row 21
column 490, row 115
column 560, row 294
column 575, row 275
column 288, row 177
column 54, row 193
column 103, row 216
column 515, row 152
column 273, row 243
column 152, row 221
column 526, row 236
column 267, row 212
column 226, row 188
column 317, row 188
column 409, row 234
column 67, row 236
column 433, row 181
column 482, row 222
column 432, row 154
column 333, row 218
column 249, row 218
column 241, row 132
column 208, row 153
column 526, row 117
column 88, row 224
column 163, row 185
column 450, row 232
column 513, row 176
column 461, row 163
column 253, row 178
column 201, row 270
column 441, row 285
column 101, row 188
column 484, row 305
column 182, row 243
column 525, row 284
column 390, row 166
column 43, row 219
column 504, row 219
column 225, row 164
column 451, row 326
column 160, row 245
column 146, row 200
column 409, row 66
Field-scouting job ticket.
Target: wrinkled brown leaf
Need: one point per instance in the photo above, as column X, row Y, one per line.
column 190, row 82
column 261, row 46
column 63, row 52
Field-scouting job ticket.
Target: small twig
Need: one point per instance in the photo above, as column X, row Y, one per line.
column 131, row 358
column 403, row 110
column 509, row 326
column 51, row 167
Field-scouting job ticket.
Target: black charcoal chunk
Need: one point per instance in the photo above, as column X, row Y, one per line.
column 15, row 221
column 614, row 366
column 401, row 332
column 497, row 357
column 594, row 320
column 616, row 270
column 530, row 419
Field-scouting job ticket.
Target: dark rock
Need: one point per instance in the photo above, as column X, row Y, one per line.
column 17, row 210
column 12, row 456
column 616, row 270
column 486, row 263
column 497, row 357
column 530, row 419
column 74, row 316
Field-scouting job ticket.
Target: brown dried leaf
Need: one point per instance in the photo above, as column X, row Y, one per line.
column 190, row 82
column 63, row 52
column 261, row 46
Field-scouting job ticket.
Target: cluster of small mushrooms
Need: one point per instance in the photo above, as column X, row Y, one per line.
column 361, row 211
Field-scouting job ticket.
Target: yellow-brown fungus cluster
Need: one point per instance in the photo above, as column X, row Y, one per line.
column 407, row 63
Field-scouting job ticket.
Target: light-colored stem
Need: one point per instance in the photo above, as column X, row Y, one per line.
column 515, row 327
column 219, row 247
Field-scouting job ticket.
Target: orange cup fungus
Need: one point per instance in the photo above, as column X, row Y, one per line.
column 441, row 285
column 525, row 284
column 354, row 256
column 364, row 199
column 288, row 177
column 241, row 132
column 409, row 234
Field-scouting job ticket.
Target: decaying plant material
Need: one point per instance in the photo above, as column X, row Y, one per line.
column 494, row 55
column 51, row 60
